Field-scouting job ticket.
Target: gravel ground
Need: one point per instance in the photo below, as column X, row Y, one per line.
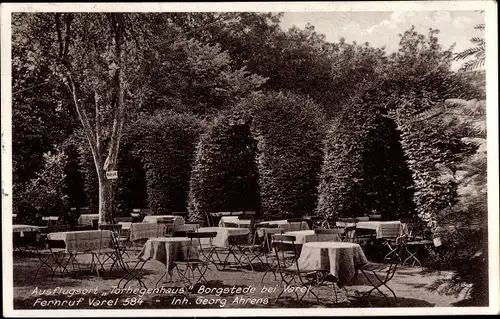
column 409, row 284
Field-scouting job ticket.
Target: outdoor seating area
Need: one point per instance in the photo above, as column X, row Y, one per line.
column 178, row 160
column 312, row 265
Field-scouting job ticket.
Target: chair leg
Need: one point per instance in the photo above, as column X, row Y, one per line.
column 376, row 287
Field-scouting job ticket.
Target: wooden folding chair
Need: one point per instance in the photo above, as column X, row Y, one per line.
column 288, row 267
column 383, row 273
column 192, row 264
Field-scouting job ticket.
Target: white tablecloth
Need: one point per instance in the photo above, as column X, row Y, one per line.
column 306, row 236
column 234, row 220
column 84, row 241
column 86, row 219
column 24, row 228
column 178, row 220
column 288, row 226
column 223, row 234
column 138, row 231
column 387, row 229
column 167, row 250
column 339, row 258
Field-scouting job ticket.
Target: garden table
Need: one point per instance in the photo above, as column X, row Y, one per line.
column 168, row 250
column 340, row 259
column 305, row 236
column 86, row 219
column 138, row 231
column 24, row 228
column 24, row 236
column 234, row 220
column 221, row 240
column 177, row 220
column 383, row 229
column 94, row 242
column 288, row 226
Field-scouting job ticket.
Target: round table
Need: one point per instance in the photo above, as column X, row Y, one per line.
column 221, row 240
column 340, row 259
column 24, row 228
column 305, row 236
column 168, row 250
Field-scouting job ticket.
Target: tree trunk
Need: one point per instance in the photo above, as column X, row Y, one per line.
column 105, row 199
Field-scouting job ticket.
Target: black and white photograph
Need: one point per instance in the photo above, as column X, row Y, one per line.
column 250, row 158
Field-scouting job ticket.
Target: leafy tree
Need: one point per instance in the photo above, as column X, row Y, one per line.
column 193, row 77
column 478, row 52
column 45, row 193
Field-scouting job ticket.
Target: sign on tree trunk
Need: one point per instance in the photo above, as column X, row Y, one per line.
column 111, row 174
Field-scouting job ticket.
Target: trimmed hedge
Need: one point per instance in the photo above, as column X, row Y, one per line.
column 289, row 130
column 388, row 182
column 225, row 175
column 364, row 169
column 131, row 187
column 342, row 174
column 168, row 151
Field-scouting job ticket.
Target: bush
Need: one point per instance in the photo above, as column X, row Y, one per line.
column 341, row 179
column 45, row 194
column 75, row 179
column 131, row 189
column 168, row 151
column 364, row 169
column 289, row 130
column 225, row 176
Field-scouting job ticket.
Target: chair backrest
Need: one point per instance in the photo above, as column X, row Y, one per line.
column 395, row 256
column 363, row 218
column 283, row 246
column 294, row 220
column 238, row 213
column 231, row 225
column 334, row 231
column 375, row 217
column 350, row 234
column 283, row 242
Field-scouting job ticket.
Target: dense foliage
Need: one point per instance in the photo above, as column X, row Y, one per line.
column 168, row 151
column 45, row 194
column 358, row 131
column 364, row 160
column 225, row 176
column 289, row 130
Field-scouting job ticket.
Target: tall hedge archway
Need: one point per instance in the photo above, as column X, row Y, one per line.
column 271, row 142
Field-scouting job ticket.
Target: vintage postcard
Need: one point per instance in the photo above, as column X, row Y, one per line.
column 250, row 159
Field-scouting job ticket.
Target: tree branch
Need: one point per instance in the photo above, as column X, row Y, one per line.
column 119, row 114
column 86, row 125
column 59, row 34
column 97, row 122
column 68, row 19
